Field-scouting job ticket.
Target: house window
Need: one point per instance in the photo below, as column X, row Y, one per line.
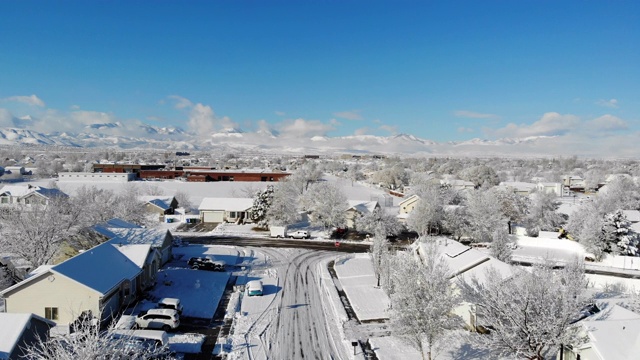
column 5, row 200
column 232, row 214
column 51, row 313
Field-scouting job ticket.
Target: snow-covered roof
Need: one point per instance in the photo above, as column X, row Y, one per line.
column 363, row 207
column 13, row 326
column 614, row 333
column 24, row 190
column 466, row 262
column 409, row 200
column 139, row 236
column 632, row 215
column 226, row 204
column 135, row 252
column 106, row 228
column 100, row 268
column 163, row 202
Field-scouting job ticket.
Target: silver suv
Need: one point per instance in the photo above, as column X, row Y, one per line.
column 165, row 319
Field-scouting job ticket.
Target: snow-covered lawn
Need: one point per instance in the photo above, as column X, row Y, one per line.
column 537, row 249
column 359, row 283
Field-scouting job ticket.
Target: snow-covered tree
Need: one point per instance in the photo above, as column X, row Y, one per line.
column 36, row 233
column 484, row 215
column 5, row 279
column 456, row 222
column 542, row 215
column 284, row 204
column 262, row 201
column 617, row 235
column 326, row 204
column 480, row 175
column 529, row 314
column 423, row 303
column 501, row 246
column 87, row 342
column 379, row 252
column 183, row 199
column 379, row 223
column 622, row 193
column 512, row 206
column 426, row 218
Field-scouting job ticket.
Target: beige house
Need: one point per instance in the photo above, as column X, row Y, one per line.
column 518, row 187
column 232, row 210
column 358, row 209
column 102, row 280
column 161, row 205
column 406, row 207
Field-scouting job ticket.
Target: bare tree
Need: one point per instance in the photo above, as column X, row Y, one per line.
column 528, row 315
column 423, row 303
column 484, row 215
column 184, row 201
column 284, row 204
column 379, row 252
column 37, row 232
column 426, row 218
column 501, row 246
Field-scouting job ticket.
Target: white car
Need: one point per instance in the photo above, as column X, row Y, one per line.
column 171, row 303
column 164, row 319
column 299, row 234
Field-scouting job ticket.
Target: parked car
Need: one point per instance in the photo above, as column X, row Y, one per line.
column 206, row 264
column 254, row 288
column 153, row 344
column 165, row 319
column 171, row 303
column 299, row 234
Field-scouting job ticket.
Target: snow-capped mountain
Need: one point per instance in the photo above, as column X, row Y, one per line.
column 173, row 138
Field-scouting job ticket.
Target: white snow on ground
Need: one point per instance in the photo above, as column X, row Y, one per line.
column 359, row 282
column 530, row 248
column 615, row 284
column 186, row 343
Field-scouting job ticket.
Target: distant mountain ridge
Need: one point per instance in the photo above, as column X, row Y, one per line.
column 233, row 139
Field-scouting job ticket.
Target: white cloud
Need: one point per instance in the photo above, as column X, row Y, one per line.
column 74, row 107
column 474, row 115
column 201, row 119
column 180, row 102
column 362, row 131
column 349, row 115
column 550, row 124
column 606, row 123
column 32, row 100
column 6, row 118
column 463, row 129
column 303, row 128
column 611, row 103
column 390, row 129
column 280, row 113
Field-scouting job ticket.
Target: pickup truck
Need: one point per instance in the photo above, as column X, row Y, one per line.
column 198, row 263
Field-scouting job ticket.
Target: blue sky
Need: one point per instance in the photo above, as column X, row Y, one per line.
column 446, row 70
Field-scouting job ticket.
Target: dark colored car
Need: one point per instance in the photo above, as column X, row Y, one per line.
column 200, row 263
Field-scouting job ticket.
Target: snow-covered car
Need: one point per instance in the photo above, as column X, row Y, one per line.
column 299, row 234
column 170, row 303
column 254, row 288
column 165, row 319
column 200, row 263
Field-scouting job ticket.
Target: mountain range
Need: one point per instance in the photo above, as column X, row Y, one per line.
column 115, row 135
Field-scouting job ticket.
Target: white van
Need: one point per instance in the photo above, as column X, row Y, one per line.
column 254, row 288
column 170, row 303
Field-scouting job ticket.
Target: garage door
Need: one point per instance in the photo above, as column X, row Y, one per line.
column 213, row 216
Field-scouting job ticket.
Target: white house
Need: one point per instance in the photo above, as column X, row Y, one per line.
column 458, row 184
column 217, row 210
column 549, row 187
column 28, row 195
column 611, row 334
column 97, row 177
column 518, row 187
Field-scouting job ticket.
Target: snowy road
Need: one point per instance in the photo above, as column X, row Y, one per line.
column 296, row 322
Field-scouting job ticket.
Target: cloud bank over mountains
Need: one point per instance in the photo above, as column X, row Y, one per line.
column 553, row 134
